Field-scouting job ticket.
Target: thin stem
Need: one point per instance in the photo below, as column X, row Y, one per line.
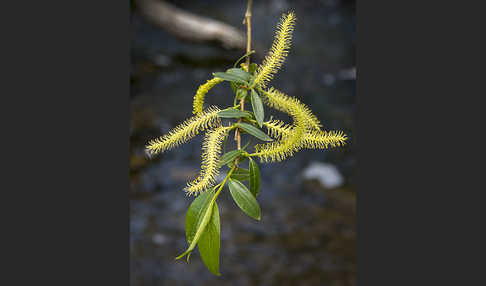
column 247, row 22
column 222, row 185
column 242, row 57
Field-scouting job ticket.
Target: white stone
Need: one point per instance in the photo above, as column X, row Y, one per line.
column 326, row 174
column 159, row 239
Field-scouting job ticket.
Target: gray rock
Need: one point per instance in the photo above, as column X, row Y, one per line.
column 326, row 174
column 159, row 239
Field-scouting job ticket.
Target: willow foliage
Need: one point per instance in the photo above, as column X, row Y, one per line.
column 202, row 218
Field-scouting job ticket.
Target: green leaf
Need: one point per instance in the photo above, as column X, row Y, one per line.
column 240, row 73
column 244, row 199
column 209, row 243
column 224, row 142
column 253, row 67
column 241, row 92
column 247, row 144
column 252, row 81
column 257, row 105
column 197, row 217
column 234, row 87
column 236, row 75
column 229, row 77
column 231, row 164
column 254, row 131
column 228, row 157
column 241, row 174
column 242, row 57
column 233, row 113
column 254, row 178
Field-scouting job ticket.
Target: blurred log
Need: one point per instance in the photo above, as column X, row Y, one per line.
column 189, row 26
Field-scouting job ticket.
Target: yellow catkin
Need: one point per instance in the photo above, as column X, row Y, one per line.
column 185, row 131
column 324, row 139
column 313, row 139
column 210, row 161
column 280, row 150
column 279, row 50
column 277, row 129
column 282, row 102
column 201, row 92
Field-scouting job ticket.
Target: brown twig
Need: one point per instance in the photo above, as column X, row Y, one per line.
column 247, row 22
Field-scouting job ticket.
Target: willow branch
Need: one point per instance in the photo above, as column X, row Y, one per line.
column 247, row 22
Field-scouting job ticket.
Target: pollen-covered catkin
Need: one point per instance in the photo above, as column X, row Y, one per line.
column 201, row 92
column 280, row 150
column 282, row 102
column 313, row 139
column 324, row 139
column 210, row 161
column 185, row 131
column 277, row 129
column 279, row 50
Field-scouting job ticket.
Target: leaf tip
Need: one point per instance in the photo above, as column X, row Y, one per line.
column 182, row 255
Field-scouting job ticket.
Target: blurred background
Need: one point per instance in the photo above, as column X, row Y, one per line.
column 307, row 234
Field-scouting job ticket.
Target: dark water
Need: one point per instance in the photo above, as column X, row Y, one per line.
column 307, row 233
